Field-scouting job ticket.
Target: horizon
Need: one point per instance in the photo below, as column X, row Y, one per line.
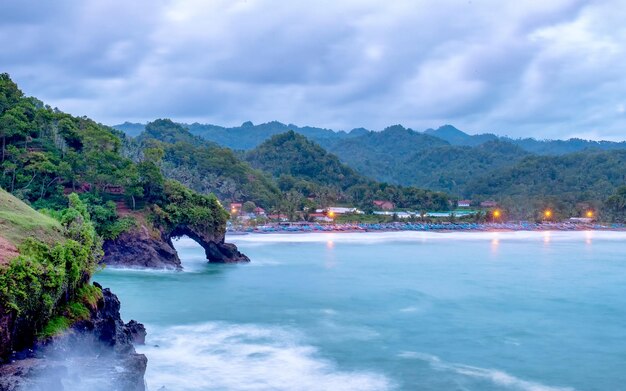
column 545, row 70
column 369, row 130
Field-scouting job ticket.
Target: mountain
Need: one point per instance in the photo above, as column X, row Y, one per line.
column 456, row 137
column 248, row 136
column 131, row 129
column 204, row 166
column 560, row 147
column 449, row 168
column 567, row 183
column 293, row 154
column 381, row 155
column 301, row 165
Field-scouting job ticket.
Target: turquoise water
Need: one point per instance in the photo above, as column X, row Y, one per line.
column 388, row 311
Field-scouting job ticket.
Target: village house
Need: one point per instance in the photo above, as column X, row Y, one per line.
column 384, row 205
column 235, row 207
column 489, row 204
column 464, row 203
column 320, row 217
column 338, row 210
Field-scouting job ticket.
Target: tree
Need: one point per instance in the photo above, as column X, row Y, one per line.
column 615, row 206
column 249, row 206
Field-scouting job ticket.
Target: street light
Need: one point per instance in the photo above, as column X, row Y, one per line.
column 589, row 213
column 547, row 214
column 497, row 213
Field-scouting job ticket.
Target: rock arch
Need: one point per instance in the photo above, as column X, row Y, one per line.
column 215, row 248
column 146, row 248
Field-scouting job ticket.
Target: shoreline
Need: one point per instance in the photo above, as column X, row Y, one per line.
column 437, row 228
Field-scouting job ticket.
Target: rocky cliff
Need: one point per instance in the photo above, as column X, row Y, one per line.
column 145, row 247
column 94, row 354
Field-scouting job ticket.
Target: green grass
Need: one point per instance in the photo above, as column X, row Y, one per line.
column 55, row 326
column 19, row 221
column 89, row 295
column 71, row 313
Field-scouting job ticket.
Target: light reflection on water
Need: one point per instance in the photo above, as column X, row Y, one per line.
column 414, row 311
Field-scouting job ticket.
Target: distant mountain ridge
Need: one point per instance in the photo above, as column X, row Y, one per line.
column 248, row 136
column 524, row 175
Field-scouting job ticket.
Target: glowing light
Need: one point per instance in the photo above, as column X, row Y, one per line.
column 589, row 213
column 331, row 214
column 495, row 243
column 547, row 237
column 547, row 214
column 233, row 210
column 497, row 213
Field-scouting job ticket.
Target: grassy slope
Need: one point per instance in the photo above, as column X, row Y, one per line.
column 19, row 221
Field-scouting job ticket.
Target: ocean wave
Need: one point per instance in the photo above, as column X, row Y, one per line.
column 497, row 377
column 222, row 356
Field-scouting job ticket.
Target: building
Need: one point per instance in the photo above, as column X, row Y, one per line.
column 400, row 215
column 488, row 204
column 339, row 210
column 464, row 203
column 259, row 211
column 581, row 220
column 384, row 205
column 320, row 217
column 235, row 207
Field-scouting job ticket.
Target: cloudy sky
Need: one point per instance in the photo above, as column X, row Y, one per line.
column 548, row 69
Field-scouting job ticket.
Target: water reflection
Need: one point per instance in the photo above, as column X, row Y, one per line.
column 588, row 237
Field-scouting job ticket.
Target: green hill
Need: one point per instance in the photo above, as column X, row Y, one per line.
column 204, row 166
column 569, row 183
column 381, row 155
column 293, row 154
column 304, row 167
column 450, row 168
column 19, row 221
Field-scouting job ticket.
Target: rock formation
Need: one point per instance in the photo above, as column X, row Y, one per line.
column 95, row 354
column 153, row 248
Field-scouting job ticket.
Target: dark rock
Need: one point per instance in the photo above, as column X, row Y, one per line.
column 224, row 253
column 143, row 248
column 140, row 249
column 7, row 318
column 213, row 243
column 137, row 332
column 95, row 354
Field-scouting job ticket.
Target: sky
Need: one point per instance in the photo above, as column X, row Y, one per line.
column 544, row 69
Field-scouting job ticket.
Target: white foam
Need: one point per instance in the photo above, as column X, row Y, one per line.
column 495, row 376
column 422, row 236
column 221, row 356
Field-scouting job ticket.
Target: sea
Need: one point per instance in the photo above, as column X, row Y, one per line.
column 529, row 311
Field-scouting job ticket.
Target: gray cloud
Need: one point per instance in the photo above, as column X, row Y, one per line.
column 544, row 69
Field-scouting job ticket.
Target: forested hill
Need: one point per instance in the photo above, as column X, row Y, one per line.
column 294, row 155
column 449, row 168
column 248, row 136
column 286, row 173
column 570, row 183
column 47, row 154
column 380, row 155
column 302, row 166
column 457, row 137
column 203, row 166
